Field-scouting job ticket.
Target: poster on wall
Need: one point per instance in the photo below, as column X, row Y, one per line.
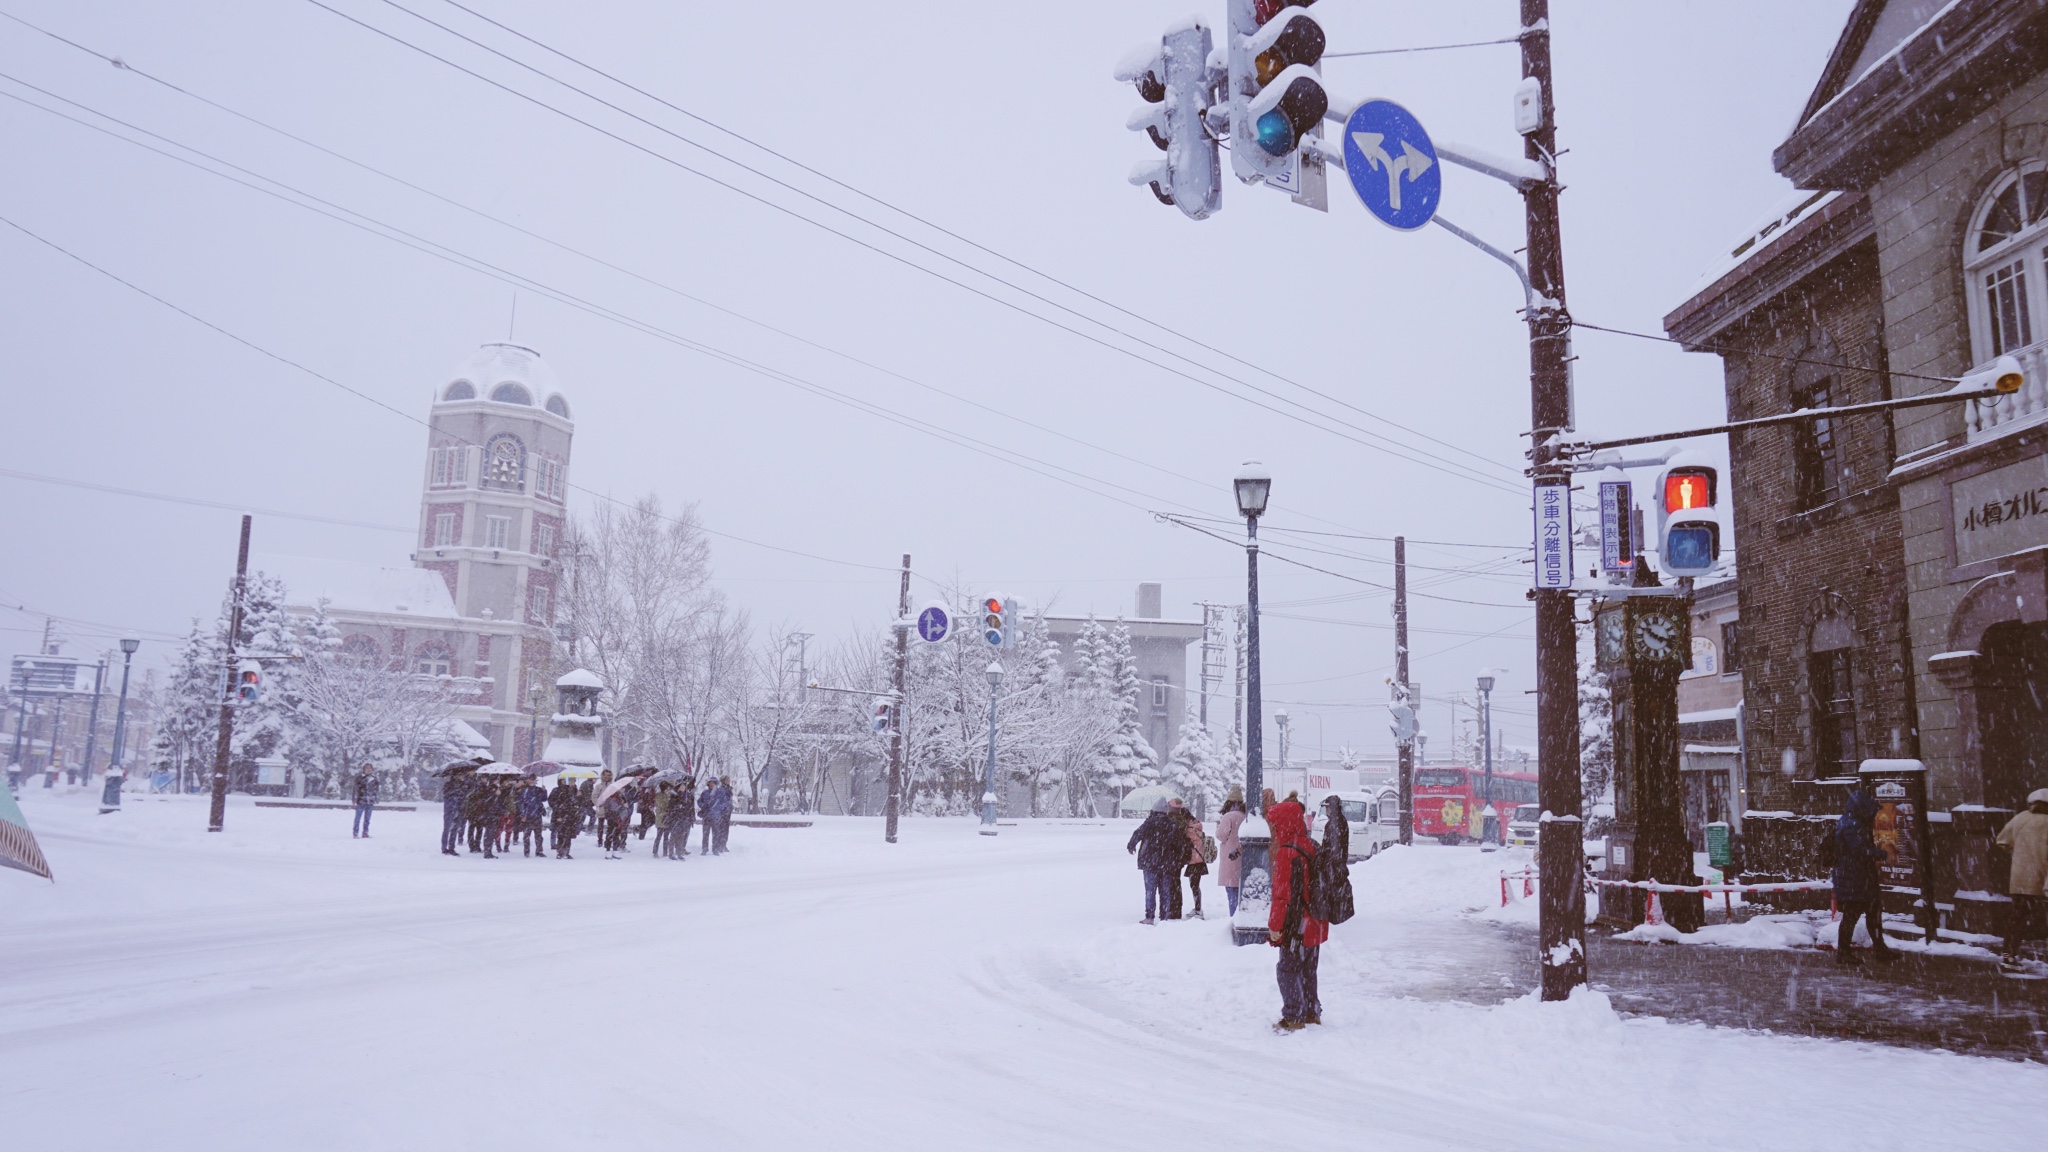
column 1900, row 829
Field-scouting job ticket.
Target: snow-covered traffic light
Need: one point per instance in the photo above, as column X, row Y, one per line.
column 1173, row 79
column 1688, row 517
column 248, row 682
column 884, row 719
column 999, row 622
column 1276, row 95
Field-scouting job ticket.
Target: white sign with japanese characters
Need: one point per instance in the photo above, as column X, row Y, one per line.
column 1553, row 536
column 2000, row 512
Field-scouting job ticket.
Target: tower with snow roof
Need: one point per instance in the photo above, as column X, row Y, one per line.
column 492, row 519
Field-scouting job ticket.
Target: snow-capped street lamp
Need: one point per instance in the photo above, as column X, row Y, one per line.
column 994, row 673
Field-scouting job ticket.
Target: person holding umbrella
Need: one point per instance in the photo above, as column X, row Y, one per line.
column 480, row 807
column 530, row 802
column 454, row 790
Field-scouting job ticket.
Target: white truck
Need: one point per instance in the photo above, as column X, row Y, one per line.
column 1372, row 808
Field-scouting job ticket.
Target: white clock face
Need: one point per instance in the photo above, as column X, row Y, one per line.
column 1656, row 634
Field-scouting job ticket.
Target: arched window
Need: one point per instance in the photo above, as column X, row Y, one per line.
column 2003, row 262
column 512, row 392
column 558, row 406
column 460, row 390
column 505, row 463
column 433, row 660
column 360, row 648
column 1831, row 679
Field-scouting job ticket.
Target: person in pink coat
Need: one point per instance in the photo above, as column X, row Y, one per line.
column 1230, row 869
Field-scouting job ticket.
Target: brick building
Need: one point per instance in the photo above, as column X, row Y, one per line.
column 1906, row 609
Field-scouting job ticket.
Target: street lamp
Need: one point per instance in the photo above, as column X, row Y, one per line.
column 994, row 673
column 1253, row 484
column 110, row 796
column 1487, row 810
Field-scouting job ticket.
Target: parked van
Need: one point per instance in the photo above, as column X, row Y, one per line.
column 1375, row 819
column 1522, row 825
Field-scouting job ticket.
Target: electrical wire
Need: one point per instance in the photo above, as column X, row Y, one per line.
column 941, row 229
column 1731, row 350
column 198, row 503
column 1385, row 445
column 1285, row 559
column 1421, row 48
column 401, row 414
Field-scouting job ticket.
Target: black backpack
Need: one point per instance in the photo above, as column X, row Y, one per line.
column 1329, row 891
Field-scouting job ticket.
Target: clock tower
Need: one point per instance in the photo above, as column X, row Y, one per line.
column 1643, row 643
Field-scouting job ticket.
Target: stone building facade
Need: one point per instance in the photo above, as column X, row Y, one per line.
column 1925, row 143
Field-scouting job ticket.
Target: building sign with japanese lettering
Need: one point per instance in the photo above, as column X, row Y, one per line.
column 2000, row 512
column 1553, row 536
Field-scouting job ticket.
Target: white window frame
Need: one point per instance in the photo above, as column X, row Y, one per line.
column 1159, row 687
column 498, row 532
column 2029, row 246
column 544, row 539
column 537, row 604
column 444, row 530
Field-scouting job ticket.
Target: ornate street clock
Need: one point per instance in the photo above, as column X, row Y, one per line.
column 1659, row 633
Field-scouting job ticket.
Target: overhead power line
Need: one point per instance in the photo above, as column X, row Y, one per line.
column 198, row 503
column 1321, row 420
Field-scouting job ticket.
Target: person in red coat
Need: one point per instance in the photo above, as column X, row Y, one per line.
column 1289, row 927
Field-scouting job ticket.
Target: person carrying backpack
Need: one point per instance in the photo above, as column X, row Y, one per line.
column 1289, row 926
column 1161, row 848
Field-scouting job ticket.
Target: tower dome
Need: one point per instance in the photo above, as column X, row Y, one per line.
column 505, row 374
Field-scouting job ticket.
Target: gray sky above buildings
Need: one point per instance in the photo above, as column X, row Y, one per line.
column 999, row 123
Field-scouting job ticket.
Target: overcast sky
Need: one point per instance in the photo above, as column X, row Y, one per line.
column 999, row 123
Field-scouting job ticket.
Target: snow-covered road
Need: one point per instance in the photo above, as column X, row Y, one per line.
column 283, row 986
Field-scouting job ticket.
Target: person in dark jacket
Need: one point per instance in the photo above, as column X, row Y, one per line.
column 589, row 790
column 453, row 792
column 647, row 802
column 1181, row 817
column 365, row 789
column 565, row 811
column 1161, row 848
column 684, row 813
column 529, row 805
column 1289, row 927
column 1856, row 881
column 482, row 808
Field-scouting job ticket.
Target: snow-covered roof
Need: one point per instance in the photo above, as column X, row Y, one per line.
column 468, row 737
column 581, row 678
column 1788, row 212
column 493, row 365
column 352, row 586
column 1707, row 715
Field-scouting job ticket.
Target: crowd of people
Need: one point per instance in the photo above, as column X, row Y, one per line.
column 493, row 813
column 1171, row 844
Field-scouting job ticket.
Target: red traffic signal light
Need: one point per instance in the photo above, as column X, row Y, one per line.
column 248, row 682
column 1686, row 489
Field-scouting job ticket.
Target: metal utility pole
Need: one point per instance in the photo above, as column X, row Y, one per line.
column 217, row 815
column 1405, row 750
column 92, row 720
column 1560, row 841
column 988, row 788
column 895, row 806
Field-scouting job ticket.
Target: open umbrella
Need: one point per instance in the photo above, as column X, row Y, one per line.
column 542, row 768
column 498, row 768
column 460, row 766
column 638, row 770
column 579, row 773
column 668, row 776
column 615, row 787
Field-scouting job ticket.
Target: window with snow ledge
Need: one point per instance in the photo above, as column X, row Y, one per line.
column 450, row 466
column 2005, row 279
column 444, row 530
column 498, row 532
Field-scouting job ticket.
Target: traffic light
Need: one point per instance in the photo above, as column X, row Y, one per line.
column 1276, row 95
column 884, row 719
column 1688, row 517
column 248, row 682
column 1173, row 79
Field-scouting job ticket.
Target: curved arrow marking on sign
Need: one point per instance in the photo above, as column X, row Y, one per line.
column 1409, row 164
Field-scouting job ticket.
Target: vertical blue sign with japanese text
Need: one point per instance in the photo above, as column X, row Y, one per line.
column 1617, row 503
column 1553, row 535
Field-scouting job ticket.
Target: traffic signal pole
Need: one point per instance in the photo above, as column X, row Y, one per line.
column 1560, row 841
column 1406, row 748
column 895, row 806
column 217, row 817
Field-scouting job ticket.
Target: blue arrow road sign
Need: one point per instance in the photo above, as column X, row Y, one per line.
column 1392, row 165
column 933, row 623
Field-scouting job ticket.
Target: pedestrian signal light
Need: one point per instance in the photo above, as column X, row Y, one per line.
column 1689, row 529
column 248, row 682
column 885, row 717
column 1688, row 488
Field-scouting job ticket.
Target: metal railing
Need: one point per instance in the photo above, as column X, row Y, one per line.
column 1987, row 418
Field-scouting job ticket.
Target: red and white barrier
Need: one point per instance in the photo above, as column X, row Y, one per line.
column 1654, row 914
column 1528, row 878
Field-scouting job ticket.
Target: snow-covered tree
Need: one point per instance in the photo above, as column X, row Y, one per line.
column 1596, row 741
column 1127, row 760
column 1197, row 768
column 187, row 714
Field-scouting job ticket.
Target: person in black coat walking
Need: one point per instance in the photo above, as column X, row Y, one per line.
column 529, row 806
column 684, row 813
column 1857, row 895
column 1161, row 848
column 366, row 790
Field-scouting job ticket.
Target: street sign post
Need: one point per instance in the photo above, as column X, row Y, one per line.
column 934, row 623
column 1392, row 164
column 1553, row 535
column 1617, row 545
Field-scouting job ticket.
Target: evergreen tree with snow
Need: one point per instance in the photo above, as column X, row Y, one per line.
column 188, row 717
column 1127, row 759
column 1197, row 768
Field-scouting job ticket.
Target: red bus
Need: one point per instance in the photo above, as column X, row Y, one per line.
column 1449, row 800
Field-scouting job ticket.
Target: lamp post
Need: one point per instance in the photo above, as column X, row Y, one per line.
column 994, row 672
column 1253, row 484
column 1487, row 835
column 128, row 648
